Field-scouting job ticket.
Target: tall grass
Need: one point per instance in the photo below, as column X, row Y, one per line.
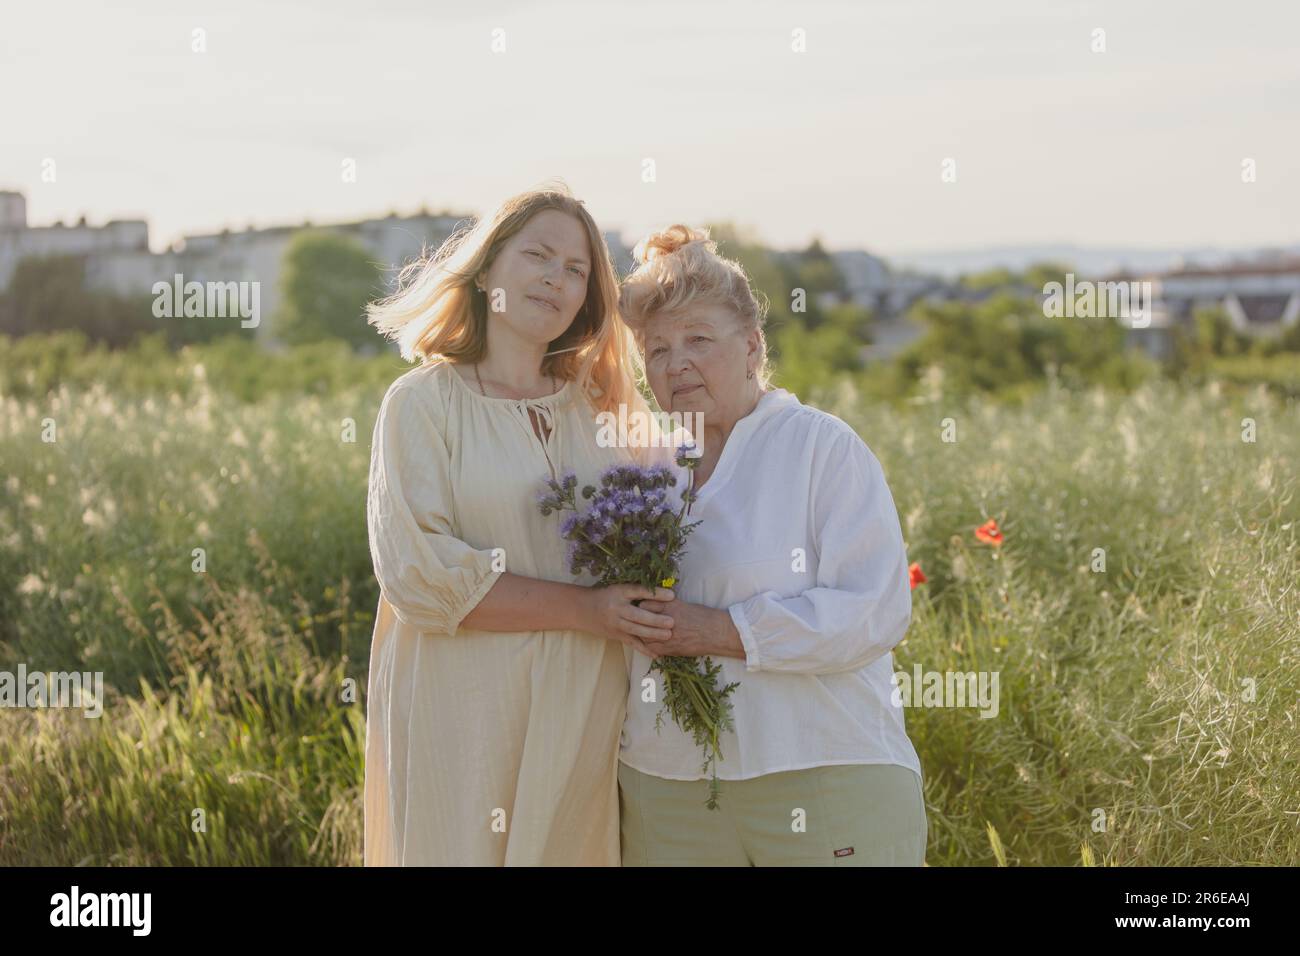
column 1127, row 733
column 234, row 724
column 251, row 753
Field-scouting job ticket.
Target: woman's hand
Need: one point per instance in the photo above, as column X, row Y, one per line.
column 698, row 631
column 610, row 613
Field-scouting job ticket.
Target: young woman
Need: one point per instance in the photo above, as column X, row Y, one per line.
column 795, row 581
column 497, row 684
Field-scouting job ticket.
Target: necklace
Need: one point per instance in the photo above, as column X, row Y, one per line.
column 485, row 394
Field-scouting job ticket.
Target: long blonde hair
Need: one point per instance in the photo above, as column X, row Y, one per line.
column 437, row 311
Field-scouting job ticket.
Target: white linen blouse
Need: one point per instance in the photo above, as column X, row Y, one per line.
column 799, row 540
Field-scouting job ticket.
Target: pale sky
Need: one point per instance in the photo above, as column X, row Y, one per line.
column 1139, row 145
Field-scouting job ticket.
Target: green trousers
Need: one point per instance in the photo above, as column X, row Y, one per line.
column 846, row 815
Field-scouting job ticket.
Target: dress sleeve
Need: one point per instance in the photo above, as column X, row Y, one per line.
column 861, row 604
column 431, row 578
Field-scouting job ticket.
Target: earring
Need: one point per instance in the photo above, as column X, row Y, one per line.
column 751, row 374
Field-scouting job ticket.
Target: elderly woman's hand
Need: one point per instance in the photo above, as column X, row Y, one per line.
column 698, row 631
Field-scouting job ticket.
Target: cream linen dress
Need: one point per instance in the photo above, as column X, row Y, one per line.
column 483, row 748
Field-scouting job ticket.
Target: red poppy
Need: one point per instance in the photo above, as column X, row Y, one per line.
column 988, row 533
column 916, row 575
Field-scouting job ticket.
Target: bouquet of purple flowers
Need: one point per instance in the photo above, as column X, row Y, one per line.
column 631, row 535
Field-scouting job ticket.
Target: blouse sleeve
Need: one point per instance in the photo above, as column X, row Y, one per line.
column 861, row 604
column 431, row 578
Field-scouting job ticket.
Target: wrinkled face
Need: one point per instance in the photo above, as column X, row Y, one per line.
column 698, row 361
column 538, row 281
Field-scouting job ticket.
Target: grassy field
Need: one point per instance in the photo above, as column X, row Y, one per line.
column 1148, row 712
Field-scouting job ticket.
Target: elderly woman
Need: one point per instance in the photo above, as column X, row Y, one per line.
column 795, row 581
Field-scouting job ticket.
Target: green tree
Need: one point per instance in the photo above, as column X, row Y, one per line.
column 1208, row 336
column 812, row 345
column 1006, row 342
column 766, row 277
column 326, row 281
column 989, row 279
column 49, row 294
column 817, row 271
column 1034, row 277
column 1040, row 273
